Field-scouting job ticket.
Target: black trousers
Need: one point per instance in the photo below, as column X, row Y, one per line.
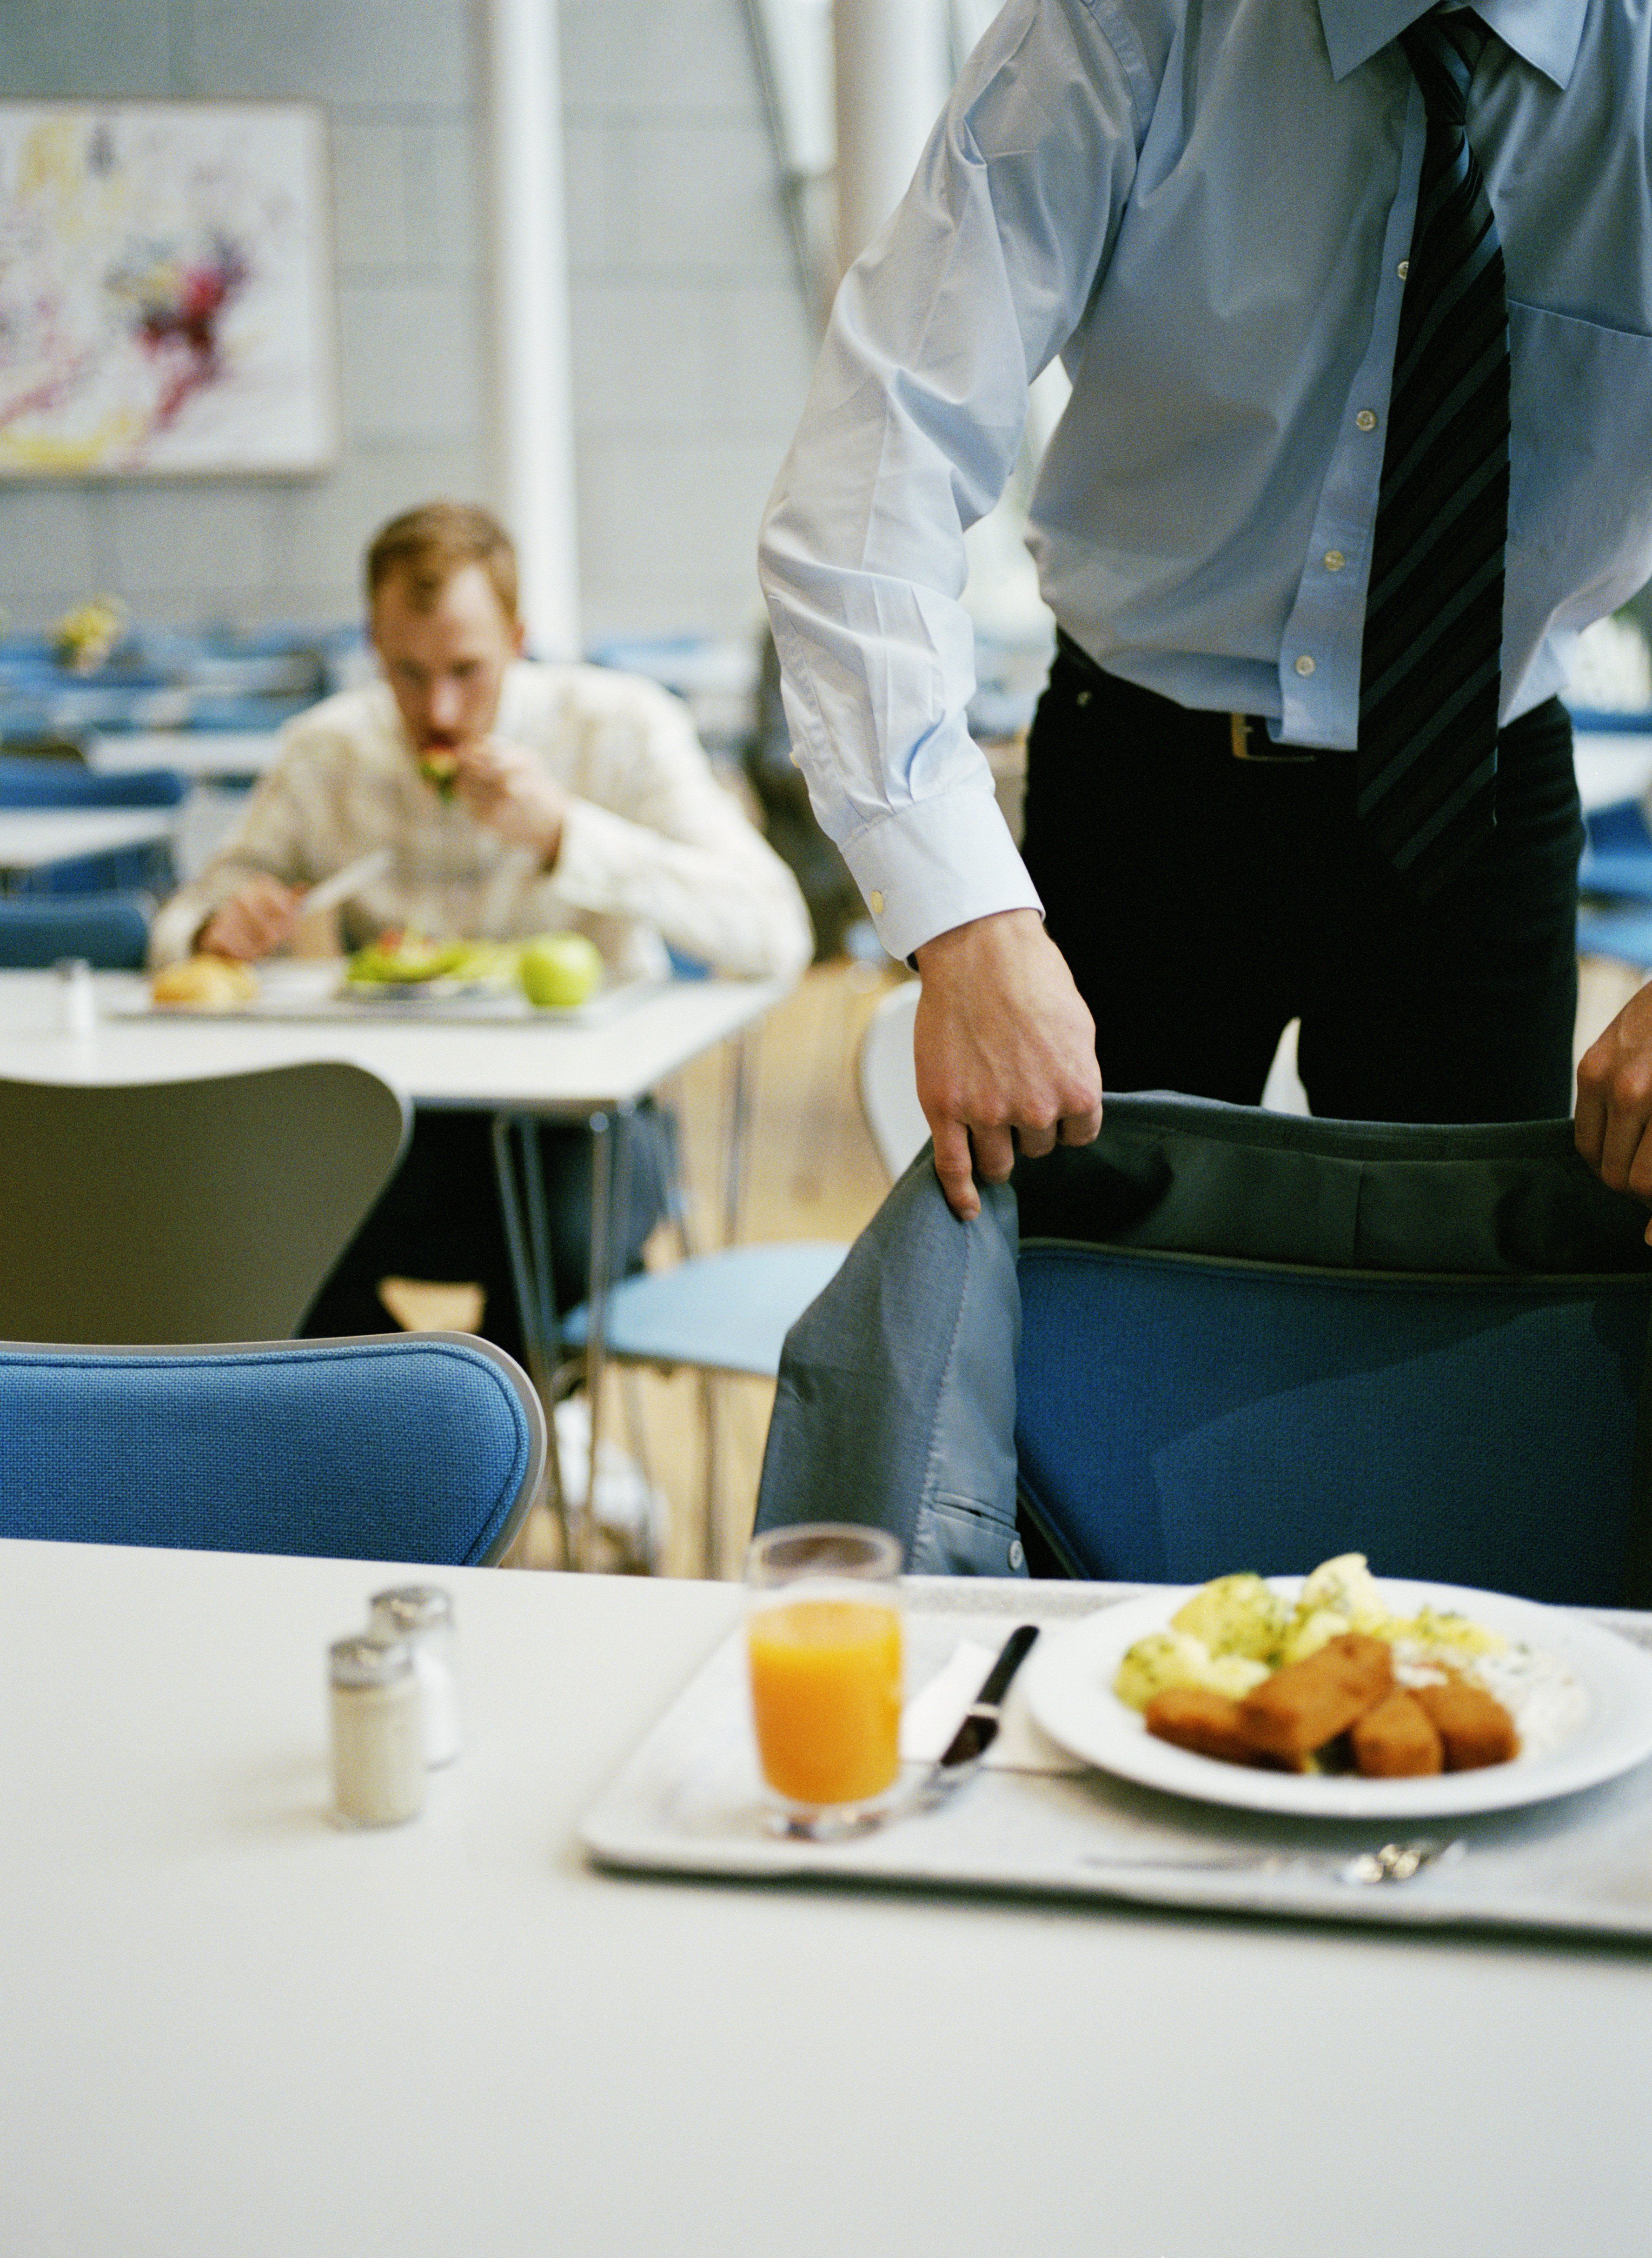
column 1203, row 901
column 439, row 1219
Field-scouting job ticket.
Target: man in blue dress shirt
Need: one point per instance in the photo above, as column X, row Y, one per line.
column 1208, row 212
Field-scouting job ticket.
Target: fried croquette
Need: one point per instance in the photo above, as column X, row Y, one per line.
column 1192, row 1717
column 1396, row 1740
column 1308, row 1703
column 1475, row 1729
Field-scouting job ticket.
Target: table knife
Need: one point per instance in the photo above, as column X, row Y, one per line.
column 961, row 1758
column 342, row 883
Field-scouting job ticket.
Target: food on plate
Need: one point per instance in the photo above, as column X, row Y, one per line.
column 1303, row 1705
column 1334, row 1680
column 1210, row 1724
column 1236, row 1614
column 1474, row 1728
column 1173, row 1658
column 559, row 969
column 441, row 771
column 404, row 960
column 1397, row 1740
column 205, row 983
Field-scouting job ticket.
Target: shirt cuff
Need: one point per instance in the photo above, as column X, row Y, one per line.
column 937, row 863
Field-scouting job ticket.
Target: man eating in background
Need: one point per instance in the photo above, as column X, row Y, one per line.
column 515, row 797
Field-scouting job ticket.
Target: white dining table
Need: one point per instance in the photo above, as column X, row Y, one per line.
column 31, row 838
column 228, row 2025
column 202, row 754
column 521, row 1071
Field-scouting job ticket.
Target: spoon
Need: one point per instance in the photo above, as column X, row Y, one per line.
column 1389, row 1862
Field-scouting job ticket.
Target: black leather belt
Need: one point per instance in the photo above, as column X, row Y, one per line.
column 1248, row 738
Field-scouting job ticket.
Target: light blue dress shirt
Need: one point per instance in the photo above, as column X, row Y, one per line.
column 1205, row 210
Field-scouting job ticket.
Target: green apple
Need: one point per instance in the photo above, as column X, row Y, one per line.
column 558, row 970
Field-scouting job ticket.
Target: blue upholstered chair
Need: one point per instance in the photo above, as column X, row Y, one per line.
column 1179, row 1417
column 425, row 1447
column 111, row 931
column 1617, row 855
column 26, row 782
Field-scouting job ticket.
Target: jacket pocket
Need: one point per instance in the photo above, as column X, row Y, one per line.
column 958, row 1537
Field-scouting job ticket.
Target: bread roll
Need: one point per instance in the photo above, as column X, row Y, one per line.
column 205, row 983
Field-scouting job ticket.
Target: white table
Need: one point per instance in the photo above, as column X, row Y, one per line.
column 228, row 2026
column 32, row 837
column 597, row 1074
column 202, row 754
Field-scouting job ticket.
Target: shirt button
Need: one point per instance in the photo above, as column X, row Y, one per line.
column 876, row 901
column 1334, row 560
column 1305, row 666
column 1404, row 269
column 1365, row 420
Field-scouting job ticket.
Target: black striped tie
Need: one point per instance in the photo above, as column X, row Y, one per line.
column 1430, row 667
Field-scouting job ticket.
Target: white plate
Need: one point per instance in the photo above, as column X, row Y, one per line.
column 1069, row 1679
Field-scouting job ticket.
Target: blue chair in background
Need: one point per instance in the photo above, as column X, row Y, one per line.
column 26, row 781
column 1617, row 856
column 426, row 1447
column 111, row 931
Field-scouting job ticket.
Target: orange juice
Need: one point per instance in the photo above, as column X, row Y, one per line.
column 826, row 1691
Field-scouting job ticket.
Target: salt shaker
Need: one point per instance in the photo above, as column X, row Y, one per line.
column 378, row 1733
column 77, row 999
column 422, row 1615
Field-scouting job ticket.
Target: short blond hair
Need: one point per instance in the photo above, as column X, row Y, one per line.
column 427, row 546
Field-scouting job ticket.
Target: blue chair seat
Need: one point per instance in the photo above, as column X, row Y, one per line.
column 1625, row 933
column 725, row 1312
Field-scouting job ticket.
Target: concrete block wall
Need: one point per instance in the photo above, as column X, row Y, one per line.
column 691, row 343
column 692, row 347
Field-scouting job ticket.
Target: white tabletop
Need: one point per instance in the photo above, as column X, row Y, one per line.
column 229, row 2026
column 31, row 837
column 550, row 1068
column 201, row 753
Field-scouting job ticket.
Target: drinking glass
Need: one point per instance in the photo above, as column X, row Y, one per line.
column 823, row 1645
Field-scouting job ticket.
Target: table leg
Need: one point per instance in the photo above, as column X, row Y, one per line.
column 610, row 1169
column 531, row 1279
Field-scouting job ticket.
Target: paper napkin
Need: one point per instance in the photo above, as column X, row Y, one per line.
column 933, row 1716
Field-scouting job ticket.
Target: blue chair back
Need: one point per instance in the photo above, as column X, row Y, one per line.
column 29, row 783
column 424, row 1447
column 1617, row 855
column 111, row 931
column 1179, row 1417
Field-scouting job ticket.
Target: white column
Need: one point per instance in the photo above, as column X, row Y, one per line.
column 534, row 451
column 890, row 63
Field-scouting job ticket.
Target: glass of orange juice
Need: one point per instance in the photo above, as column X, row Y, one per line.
column 824, row 1643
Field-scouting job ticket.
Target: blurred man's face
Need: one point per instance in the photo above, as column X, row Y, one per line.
column 445, row 666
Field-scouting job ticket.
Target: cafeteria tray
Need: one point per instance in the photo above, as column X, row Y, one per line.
column 310, row 993
column 688, row 1801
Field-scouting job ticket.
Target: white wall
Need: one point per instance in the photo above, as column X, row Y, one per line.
column 692, row 346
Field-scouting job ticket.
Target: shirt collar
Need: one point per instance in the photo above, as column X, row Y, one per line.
column 1545, row 33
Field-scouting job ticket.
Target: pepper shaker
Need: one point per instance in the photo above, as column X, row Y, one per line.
column 378, row 1733
column 422, row 1615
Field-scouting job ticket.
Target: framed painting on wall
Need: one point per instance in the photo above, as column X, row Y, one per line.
column 165, row 294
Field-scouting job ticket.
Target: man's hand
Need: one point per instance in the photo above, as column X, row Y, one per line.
column 509, row 790
column 256, row 922
column 1005, row 1051
column 1614, row 1102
